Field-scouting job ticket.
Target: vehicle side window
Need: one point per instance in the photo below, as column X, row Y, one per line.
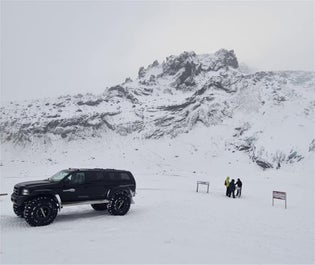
column 90, row 177
column 77, row 178
column 94, row 176
column 100, row 176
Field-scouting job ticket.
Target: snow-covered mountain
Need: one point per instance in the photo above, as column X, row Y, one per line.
column 267, row 115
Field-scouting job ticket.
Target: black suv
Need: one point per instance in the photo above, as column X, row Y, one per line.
column 105, row 189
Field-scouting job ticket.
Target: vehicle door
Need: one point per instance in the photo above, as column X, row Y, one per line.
column 95, row 185
column 74, row 187
column 110, row 180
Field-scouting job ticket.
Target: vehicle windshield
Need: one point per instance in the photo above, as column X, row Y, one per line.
column 59, row 176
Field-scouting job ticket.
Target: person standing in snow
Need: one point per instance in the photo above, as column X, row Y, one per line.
column 232, row 188
column 227, row 184
column 239, row 185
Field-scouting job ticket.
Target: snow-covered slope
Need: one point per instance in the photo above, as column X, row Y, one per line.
column 268, row 115
column 169, row 223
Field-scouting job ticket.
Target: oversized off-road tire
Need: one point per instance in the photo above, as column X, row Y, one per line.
column 18, row 210
column 40, row 211
column 99, row 207
column 119, row 204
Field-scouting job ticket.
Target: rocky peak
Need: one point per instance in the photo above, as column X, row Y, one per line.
column 141, row 72
column 185, row 66
column 174, row 63
column 227, row 58
column 154, row 64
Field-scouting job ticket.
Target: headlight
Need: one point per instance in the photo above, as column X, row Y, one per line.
column 25, row 192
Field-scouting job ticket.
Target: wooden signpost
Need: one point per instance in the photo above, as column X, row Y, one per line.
column 279, row 195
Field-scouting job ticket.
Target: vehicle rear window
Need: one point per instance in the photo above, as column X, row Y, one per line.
column 109, row 176
column 124, row 176
column 117, row 176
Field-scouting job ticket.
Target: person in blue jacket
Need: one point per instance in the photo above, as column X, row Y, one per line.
column 232, row 188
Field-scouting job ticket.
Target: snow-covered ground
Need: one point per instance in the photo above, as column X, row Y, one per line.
column 169, row 222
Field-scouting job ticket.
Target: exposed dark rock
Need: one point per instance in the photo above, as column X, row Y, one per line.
column 90, row 102
column 227, row 58
column 130, row 127
column 120, row 91
column 150, row 82
column 128, row 80
column 152, row 79
column 312, row 146
column 141, row 72
column 53, row 116
column 263, row 164
column 60, row 104
column 294, row 157
column 186, row 79
column 176, row 108
column 155, row 63
column 240, row 130
column 174, row 63
column 244, row 148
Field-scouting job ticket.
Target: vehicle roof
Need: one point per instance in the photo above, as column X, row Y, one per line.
column 95, row 169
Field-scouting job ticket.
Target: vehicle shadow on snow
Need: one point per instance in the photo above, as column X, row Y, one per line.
column 9, row 223
column 79, row 215
column 91, row 215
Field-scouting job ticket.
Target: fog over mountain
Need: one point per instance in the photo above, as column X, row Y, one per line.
column 51, row 48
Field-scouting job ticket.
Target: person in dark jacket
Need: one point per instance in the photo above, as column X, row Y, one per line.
column 232, row 188
column 239, row 185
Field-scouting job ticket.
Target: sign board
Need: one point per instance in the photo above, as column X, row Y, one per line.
column 279, row 195
column 203, row 183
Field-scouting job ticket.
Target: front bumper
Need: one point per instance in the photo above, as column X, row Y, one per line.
column 18, row 199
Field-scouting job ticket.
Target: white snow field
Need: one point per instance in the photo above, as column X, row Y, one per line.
column 170, row 222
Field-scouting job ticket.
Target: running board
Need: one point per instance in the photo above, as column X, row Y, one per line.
column 83, row 202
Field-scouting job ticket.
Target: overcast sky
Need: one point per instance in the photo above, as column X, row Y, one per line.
column 57, row 48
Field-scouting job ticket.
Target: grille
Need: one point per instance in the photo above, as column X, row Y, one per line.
column 16, row 191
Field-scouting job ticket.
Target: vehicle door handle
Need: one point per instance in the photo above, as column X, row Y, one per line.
column 69, row 190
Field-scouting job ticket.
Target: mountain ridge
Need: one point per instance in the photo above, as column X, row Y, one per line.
column 171, row 98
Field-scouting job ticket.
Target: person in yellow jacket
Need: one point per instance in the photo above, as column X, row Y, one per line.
column 227, row 184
